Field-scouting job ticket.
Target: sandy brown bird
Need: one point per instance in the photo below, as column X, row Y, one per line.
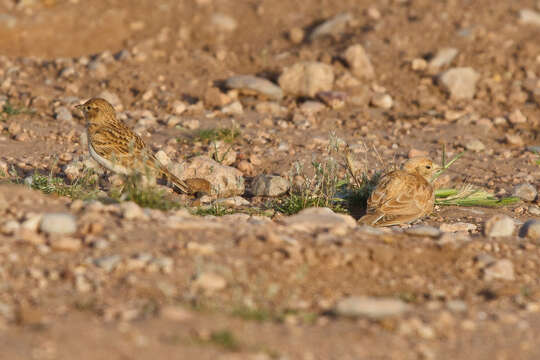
column 117, row 148
column 402, row 196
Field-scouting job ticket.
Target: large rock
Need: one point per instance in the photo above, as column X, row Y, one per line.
column 460, row 82
column 249, row 83
column 359, row 62
column 370, row 307
column 314, row 219
column 525, row 192
column 269, row 185
column 58, row 223
column 307, row 78
column 225, row 181
column 499, row 226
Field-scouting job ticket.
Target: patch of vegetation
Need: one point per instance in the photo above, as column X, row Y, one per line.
column 250, row 314
column 84, row 187
column 227, row 135
column 224, row 339
column 215, row 209
column 468, row 196
column 9, row 109
column 144, row 196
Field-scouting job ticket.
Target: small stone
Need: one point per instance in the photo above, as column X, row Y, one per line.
column 419, row 64
column 383, row 101
column 517, row 117
column 456, row 306
column 210, row 282
column 333, row 99
column 514, row 140
column 370, row 307
column 58, row 223
column 200, row 249
column 235, row 201
column 107, row 263
column 65, row 244
column 213, row 98
column 269, row 185
column 359, row 62
column 32, row 222
column 234, row 108
column 475, row 145
column 460, row 82
column 296, row 35
column 526, row 192
column 178, row 107
column 9, row 227
column 442, row 58
column 499, row 270
column 191, row 124
column 458, row 226
column 331, row 26
column 97, row 68
column 529, row 17
column 311, row 107
column 62, row 113
column 422, row 230
column 250, row 84
column 223, row 22
column 175, row 313
column 132, row 211
column 534, row 210
column 499, row 226
column 307, row 78
column 531, row 229
column 313, row 219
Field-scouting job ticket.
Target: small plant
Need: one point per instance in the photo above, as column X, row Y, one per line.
column 215, row 209
column 224, row 339
column 144, row 196
column 8, row 110
column 83, row 187
column 227, row 135
column 258, row 315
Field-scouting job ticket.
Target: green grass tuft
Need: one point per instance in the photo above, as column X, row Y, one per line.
column 225, row 339
column 9, row 110
column 83, row 188
column 258, row 315
column 144, row 196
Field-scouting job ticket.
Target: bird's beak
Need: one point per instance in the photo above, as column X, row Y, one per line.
column 79, row 107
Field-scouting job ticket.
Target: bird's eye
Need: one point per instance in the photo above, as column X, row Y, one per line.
column 87, row 107
column 428, row 166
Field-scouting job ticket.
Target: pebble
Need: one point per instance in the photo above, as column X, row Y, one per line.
column 423, row 230
column 65, row 244
column 235, row 201
column 460, row 82
column 175, row 313
column 223, row 22
column 499, row 226
column 107, row 263
column 225, row 181
column 200, row 249
column 531, row 229
column 58, row 223
column 210, row 282
column 359, row 62
column 526, row 192
column 534, row 210
column 458, row 226
column 132, row 211
column 456, row 306
column 514, row 140
column 475, row 145
column 331, row 26
column 255, row 84
column 234, row 108
column 9, row 227
column 383, row 101
column 517, row 117
column 269, row 185
column 370, row 307
column 311, row 107
column 442, row 58
column 307, row 78
column 499, row 270
column 62, row 113
column 333, row 99
column 313, row 219
column 529, row 17
column 296, row 35
column 419, row 64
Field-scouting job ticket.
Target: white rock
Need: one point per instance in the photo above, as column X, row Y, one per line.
column 234, row 108
column 459, row 226
column 499, row 270
column 383, row 101
column 370, row 307
column 62, row 113
column 223, row 22
column 210, row 282
column 475, row 145
column 331, row 26
column 525, row 192
column 359, row 62
column 255, row 84
column 307, row 78
column 442, row 58
column 313, row 219
column 132, row 211
column 529, row 17
column 65, row 244
column 58, row 223
column 108, row 263
column 499, row 226
column 269, row 185
column 460, row 82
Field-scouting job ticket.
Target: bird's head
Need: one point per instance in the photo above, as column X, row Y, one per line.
column 421, row 166
column 97, row 111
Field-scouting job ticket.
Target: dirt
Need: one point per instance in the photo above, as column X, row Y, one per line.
column 274, row 288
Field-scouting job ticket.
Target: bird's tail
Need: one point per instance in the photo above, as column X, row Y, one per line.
column 370, row 219
column 188, row 186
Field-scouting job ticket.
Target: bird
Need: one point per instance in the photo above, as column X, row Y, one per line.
column 118, row 149
column 402, row 196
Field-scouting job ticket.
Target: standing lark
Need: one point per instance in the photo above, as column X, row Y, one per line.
column 117, row 148
column 402, row 196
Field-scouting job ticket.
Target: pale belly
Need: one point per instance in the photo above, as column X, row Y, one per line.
column 109, row 165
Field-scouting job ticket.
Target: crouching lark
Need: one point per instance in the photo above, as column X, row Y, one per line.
column 402, row 196
column 117, row 148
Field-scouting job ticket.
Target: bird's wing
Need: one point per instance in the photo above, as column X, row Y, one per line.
column 119, row 145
